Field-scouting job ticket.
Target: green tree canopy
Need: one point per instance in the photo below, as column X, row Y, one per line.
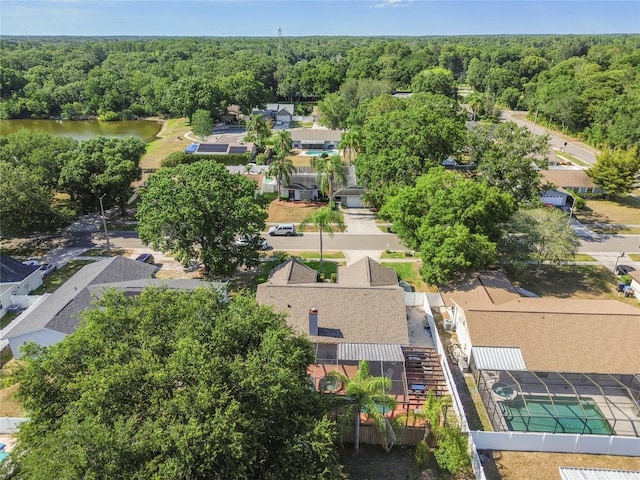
column 435, row 80
column 403, row 143
column 196, row 211
column 201, row 124
column 173, row 384
column 102, row 166
column 454, row 222
column 616, row 170
column 509, row 157
column 536, row 236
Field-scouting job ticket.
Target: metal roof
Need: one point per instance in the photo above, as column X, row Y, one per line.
column 498, row 358
column 569, row 473
column 370, row 352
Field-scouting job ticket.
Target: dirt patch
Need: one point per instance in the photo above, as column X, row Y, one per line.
column 294, row 212
column 9, row 405
column 374, row 463
column 544, row 466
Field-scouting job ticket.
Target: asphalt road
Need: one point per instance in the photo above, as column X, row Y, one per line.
column 357, row 241
column 557, row 141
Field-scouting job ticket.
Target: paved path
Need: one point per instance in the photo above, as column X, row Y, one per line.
column 360, row 220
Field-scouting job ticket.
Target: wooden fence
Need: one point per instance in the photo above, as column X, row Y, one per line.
column 370, row 435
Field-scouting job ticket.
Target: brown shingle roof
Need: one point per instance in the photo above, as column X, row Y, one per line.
column 345, row 314
column 291, row 272
column 366, row 272
column 567, row 178
column 568, row 342
column 365, row 306
column 553, row 334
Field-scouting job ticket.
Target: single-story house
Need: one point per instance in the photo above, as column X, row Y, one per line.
column 56, row 315
column 568, row 179
column 362, row 316
column 554, row 197
column 549, row 364
column 315, row 139
column 635, row 283
column 17, row 280
column 223, row 145
column 350, row 196
column 302, row 186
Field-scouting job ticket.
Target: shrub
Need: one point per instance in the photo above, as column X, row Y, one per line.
column 334, row 277
column 108, row 116
column 422, row 453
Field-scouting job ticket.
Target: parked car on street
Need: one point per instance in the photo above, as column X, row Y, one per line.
column 260, row 242
column 145, row 258
column 286, row 229
column 47, row 269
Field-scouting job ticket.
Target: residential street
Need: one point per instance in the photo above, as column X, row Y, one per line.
column 557, row 141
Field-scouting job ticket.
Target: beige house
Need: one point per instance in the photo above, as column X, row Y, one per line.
column 563, row 365
column 574, row 180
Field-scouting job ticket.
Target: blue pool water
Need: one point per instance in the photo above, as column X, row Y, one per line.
column 317, row 153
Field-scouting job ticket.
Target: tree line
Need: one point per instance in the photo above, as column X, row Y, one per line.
column 586, row 85
column 37, row 167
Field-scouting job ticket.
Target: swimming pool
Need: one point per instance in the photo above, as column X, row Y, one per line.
column 317, row 153
column 562, row 415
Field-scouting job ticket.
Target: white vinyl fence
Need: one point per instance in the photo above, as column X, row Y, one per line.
column 558, row 442
column 10, row 425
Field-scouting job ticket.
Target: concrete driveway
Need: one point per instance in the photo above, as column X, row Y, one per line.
column 360, row 220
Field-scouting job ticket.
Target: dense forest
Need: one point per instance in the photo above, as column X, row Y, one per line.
column 585, row 85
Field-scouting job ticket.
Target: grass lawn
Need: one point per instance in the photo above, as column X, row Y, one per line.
column 583, row 257
column 569, row 157
column 293, row 212
column 316, row 254
column 167, row 142
column 9, row 406
column 621, row 211
column 410, row 272
column 300, row 160
column 60, row 276
column 544, row 466
column 634, row 256
column 327, row 267
column 7, row 318
column 581, row 281
column 102, row 252
column 403, row 254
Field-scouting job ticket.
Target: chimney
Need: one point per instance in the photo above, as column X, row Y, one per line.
column 313, row 321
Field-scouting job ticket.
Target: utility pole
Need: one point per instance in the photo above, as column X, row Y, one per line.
column 617, row 259
column 104, row 223
column 535, row 120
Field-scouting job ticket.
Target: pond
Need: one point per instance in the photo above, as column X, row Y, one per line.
column 145, row 130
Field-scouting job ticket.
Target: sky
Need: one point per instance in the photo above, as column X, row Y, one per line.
column 263, row 18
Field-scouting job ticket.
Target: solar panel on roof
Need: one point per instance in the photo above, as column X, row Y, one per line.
column 213, row 147
column 237, row 149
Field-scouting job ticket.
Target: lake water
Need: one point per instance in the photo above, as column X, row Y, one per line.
column 145, row 130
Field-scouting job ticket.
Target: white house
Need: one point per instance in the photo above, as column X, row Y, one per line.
column 16, row 281
column 55, row 316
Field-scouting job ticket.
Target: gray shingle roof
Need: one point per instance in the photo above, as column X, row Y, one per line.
column 291, row 272
column 12, row 270
column 59, row 311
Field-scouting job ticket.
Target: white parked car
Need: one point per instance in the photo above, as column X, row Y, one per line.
column 244, row 240
column 286, row 229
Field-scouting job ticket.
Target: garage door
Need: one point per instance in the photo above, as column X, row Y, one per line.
column 354, row 202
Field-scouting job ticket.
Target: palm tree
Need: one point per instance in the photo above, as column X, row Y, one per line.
column 475, row 101
column 324, row 219
column 331, row 172
column 351, row 144
column 282, row 168
column 258, row 131
column 430, row 413
column 366, row 395
column 281, row 142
